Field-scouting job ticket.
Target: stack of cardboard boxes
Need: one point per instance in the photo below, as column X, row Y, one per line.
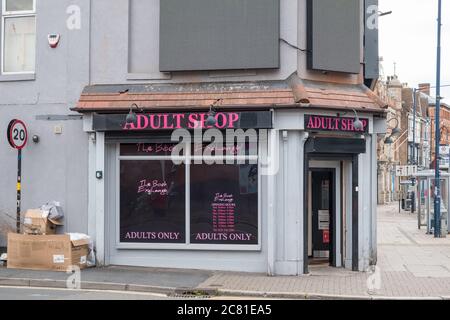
column 39, row 248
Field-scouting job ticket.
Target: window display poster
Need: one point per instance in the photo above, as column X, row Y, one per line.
column 224, row 204
column 152, row 202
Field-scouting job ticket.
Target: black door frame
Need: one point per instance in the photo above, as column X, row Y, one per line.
column 333, row 214
column 355, row 210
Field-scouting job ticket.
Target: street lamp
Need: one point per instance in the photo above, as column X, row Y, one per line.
column 394, row 132
column 357, row 123
column 211, row 120
column 131, row 116
column 437, row 196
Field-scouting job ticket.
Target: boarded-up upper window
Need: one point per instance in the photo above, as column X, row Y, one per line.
column 334, row 35
column 219, row 34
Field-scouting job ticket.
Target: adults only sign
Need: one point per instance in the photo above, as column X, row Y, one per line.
column 189, row 121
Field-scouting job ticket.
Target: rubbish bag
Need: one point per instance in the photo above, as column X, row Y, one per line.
column 54, row 210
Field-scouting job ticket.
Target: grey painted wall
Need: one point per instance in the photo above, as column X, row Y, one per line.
column 56, row 167
column 112, row 62
column 289, row 203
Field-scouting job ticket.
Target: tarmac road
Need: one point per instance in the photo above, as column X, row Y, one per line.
column 19, row 293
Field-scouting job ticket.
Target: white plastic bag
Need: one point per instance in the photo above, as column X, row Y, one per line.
column 54, row 210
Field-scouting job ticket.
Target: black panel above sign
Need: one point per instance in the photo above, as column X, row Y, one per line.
column 172, row 121
column 371, row 47
column 334, row 35
column 219, row 35
column 335, row 146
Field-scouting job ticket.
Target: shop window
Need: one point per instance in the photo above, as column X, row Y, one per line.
column 152, row 201
column 18, row 36
column 204, row 200
column 224, row 204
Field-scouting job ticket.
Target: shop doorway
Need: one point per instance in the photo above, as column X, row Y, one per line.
column 322, row 212
column 337, row 157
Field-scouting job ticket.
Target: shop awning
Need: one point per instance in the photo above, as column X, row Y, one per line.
column 262, row 95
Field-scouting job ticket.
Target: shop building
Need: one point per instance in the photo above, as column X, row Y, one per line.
column 300, row 189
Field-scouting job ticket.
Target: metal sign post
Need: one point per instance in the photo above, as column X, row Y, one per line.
column 17, row 137
column 19, row 187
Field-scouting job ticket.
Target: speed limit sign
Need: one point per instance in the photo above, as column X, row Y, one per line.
column 17, row 134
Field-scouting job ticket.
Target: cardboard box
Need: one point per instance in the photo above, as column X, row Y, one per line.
column 49, row 252
column 37, row 222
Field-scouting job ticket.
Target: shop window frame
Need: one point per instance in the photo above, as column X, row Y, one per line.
column 188, row 160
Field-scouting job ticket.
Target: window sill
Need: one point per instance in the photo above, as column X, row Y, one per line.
column 18, row 77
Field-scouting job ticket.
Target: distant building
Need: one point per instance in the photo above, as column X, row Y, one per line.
column 406, row 148
column 444, row 125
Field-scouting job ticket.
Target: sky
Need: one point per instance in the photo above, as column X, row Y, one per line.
column 408, row 39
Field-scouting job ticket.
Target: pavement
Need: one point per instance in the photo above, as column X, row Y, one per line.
column 411, row 265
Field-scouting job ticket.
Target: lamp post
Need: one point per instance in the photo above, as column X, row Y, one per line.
column 414, row 162
column 414, row 126
column 389, row 141
column 437, row 189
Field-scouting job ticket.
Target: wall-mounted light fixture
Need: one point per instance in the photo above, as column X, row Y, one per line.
column 394, row 132
column 35, row 138
column 357, row 124
column 131, row 116
column 211, row 120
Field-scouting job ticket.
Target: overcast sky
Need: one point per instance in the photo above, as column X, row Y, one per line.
column 408, row 37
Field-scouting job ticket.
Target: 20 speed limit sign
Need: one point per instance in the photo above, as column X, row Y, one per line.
column 17, row 134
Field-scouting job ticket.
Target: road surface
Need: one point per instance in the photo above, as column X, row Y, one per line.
column 18, row 293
